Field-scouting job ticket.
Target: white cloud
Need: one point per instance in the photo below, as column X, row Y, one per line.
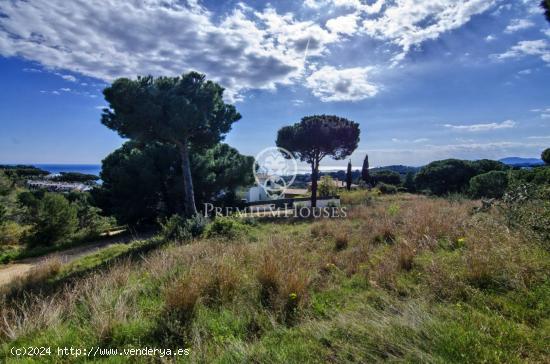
column 490, row 38
column 411, row 22
column 525, row 72
column 68, row 78
column 523, row 48
column 518, row 24
column 346, row 24
column 357, row 5
column 350, row 84
column 421, row 140
column 483, row 127
column 539, row 137
column 244, row 49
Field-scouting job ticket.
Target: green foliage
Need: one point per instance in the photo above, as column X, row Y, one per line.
column 527, row 205
column 10, row 233
column 91, row 223
column 3, row 214
column 386, row 188
column 184, row 111
column 453, row 175
column 486, row 165
column 5, row 184
column 491, row 184
column 545, row 156
column 180, row 229
column 545, row 4
column 327, row 187
column 536, row 176
column 55, row 220
column 76, row 177
column 386, row 177
column 153, row 172
column 226, row 227
column 19, row 173
column 365, row 170
column 409, row 184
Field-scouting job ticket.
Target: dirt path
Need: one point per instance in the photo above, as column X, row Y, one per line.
column 20, row 268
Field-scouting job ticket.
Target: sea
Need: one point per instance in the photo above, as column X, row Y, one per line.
column 80, row 168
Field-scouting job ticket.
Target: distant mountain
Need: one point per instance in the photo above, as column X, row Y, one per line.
column 521, row 162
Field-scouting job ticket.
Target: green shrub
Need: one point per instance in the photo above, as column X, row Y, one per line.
column 528, row 206
column 180, row 229
column 225, row 227
column 386, row 177
column 537, row 176
column 91, row 223
column 491, row 184
column 5, row 184
column 327, row 187
column 545, row 156
column 386, row 189
column 10, row 233
column 55, row 220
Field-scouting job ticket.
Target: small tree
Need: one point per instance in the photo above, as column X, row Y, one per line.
column 545, row 156
column 183, row 111
column 409, row 182
column 55, row 220
column 348, row 177
column 365, row 171
column 316, row 137
column 327, row 187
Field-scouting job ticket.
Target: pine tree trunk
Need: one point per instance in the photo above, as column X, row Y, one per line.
column 314, row 177
column 189, row 199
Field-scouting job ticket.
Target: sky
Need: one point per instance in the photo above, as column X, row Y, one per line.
column 425, row 79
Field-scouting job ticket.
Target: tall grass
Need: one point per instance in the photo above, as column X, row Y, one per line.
column 405, row 278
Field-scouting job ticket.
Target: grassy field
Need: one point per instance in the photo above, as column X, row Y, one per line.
column 403, row 278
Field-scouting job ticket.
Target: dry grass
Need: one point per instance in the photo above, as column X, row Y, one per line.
column 34, row 278
column 279, row 271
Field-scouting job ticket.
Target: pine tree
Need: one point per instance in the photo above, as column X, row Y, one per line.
column 365, row 171
column 348, row 177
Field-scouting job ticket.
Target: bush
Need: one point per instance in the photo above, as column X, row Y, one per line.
column 453, row 175
column 492, row 184
column 528, row 206
column 55, row 220
column 387, row 177
column 225, row 227
column 537, row 176
column 545, row 156
column 90, row 221
column 386, row 189
column 327, row 187
column 10, row 233
column 180, row 229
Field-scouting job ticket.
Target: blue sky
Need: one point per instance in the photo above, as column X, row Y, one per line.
column 426, row 79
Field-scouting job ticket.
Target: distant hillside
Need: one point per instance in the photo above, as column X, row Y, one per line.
column 403, row 170
column 521, row 162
